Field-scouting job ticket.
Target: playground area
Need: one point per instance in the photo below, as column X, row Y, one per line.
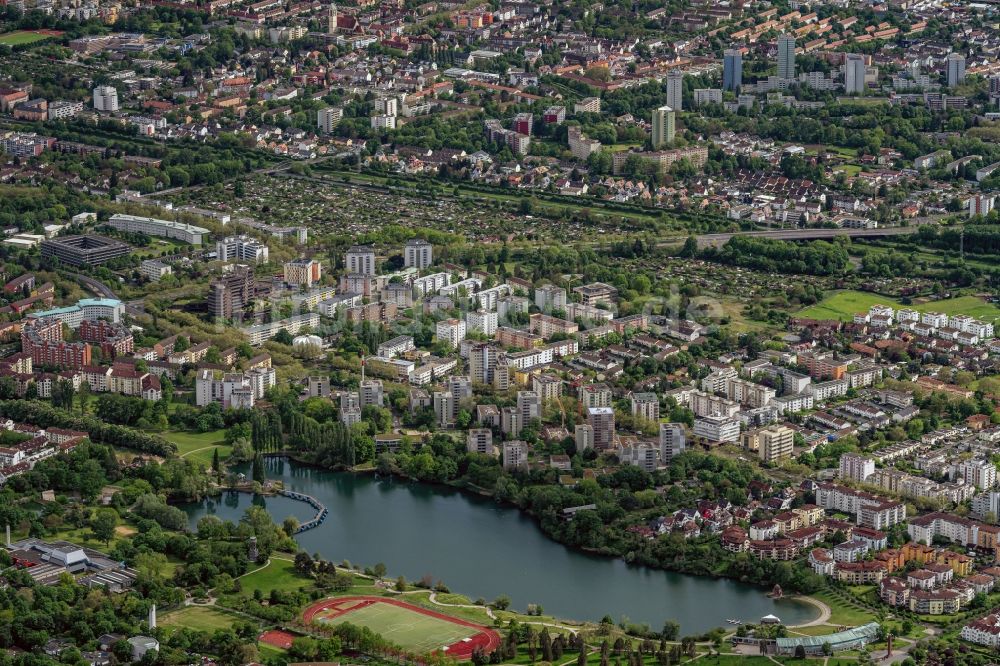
column 413, row 628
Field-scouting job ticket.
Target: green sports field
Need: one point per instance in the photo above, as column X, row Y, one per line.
column 843, row 305
column 409, row 629
column 20, row 37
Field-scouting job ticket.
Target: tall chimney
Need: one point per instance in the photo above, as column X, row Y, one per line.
column 152, row 617
column 8, row 535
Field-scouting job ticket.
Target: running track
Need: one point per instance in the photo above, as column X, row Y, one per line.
column 487, row 639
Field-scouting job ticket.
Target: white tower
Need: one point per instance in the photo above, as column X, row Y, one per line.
column 152, row 617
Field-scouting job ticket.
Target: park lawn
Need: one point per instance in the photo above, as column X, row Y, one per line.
column 410, row 629
column 201, row 618
column 842, row 613
column 199, row 446
column 814, row 630
column 277, row 575
column 21, row 37
column 843, row 305
column 270, row 651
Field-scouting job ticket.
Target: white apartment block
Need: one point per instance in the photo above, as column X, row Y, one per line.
column 451, row 332
column 105, row 99
column 672, row 441
column 645, row 406
column 550, row 297
column 361, row 259
column 154, row 270
column 980, row 473
column 855, row 467
column 241, row 248
column 233, row 390
column 717, row 428
column 482, row 321
column 418, row 254
column 327, row 119
column 431, row 284
column 515, row 455
column 396, row 346
column 479, row 440
column 150, row 226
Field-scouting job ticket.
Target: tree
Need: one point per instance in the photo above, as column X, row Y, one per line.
column 502, row 602
column 401, row 584
column 800, row 651
column 216, row 464
column 104, row 525
column 379, row 570
column 290, row 525
column 670, row 630
column 258, row 475
column 303, row 562
column 690, row 248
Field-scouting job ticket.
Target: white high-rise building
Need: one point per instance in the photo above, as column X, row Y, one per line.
column 675, row 89
column 664, row 126
column 602, row 422
column 672, row 441
column 241, row 248
column 955, row 63
column 105, row 99
column 451, row 332
column 786, row 57
column 418, row 254
column 360, row 259
column 854, row 74
column 327, row 119
column 482, row 321
column 855, row 467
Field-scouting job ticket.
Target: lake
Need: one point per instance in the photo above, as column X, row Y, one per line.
column 481, row 549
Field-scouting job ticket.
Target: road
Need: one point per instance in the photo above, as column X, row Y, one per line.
column 104, row 291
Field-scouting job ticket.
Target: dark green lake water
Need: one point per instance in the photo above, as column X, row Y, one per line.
column 484, row 550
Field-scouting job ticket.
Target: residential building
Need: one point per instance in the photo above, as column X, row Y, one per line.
column 855, row 467
column 776, row 443
column 716, row 428
column 327, row 119
column 361, row 259
column 150, row 226
column 418, row 253
column 302, row 272
column 955, row 69
column 241, row 248
column 105, row 99
column 663, row 123
column 786, row 56
column 602, row 423
column 675, row 90
column 451, row 332
column 732, row 70
column 672, row 441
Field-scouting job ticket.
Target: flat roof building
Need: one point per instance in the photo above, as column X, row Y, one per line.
column 87, row 250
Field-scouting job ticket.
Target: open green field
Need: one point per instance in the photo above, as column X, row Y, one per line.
column 21, row 37
column 843, row 305
column 198, row 446
column 842, row 613
column 277, row 575
column 201, row 618
column 413, row 631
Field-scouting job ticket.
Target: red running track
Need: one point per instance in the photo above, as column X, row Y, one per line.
column 277, row 638
column 486, row 638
